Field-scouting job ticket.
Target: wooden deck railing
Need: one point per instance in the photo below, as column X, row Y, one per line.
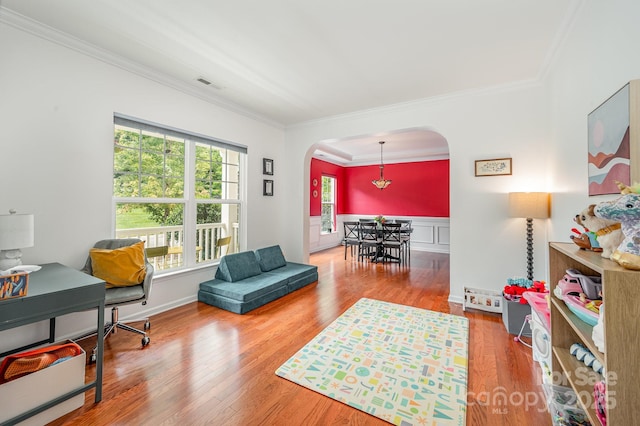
column 207, row 235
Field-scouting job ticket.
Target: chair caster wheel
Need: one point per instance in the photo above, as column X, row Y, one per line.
column 145, row 341
column 147, row 325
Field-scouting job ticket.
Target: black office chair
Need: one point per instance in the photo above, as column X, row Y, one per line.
column 119, row 296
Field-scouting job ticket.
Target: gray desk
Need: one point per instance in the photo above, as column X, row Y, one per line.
column 53, row 291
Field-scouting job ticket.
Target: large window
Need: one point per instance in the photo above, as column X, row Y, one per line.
column 177, row 191
column 328, row 215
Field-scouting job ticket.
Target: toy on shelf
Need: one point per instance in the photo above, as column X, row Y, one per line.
column 600, row 401
column 586, row 240
column 591, row 286
column 597, row 335
column 626, row 210
column 567, row 285
column 601, row 235
column 579, row 307
column 584, row 355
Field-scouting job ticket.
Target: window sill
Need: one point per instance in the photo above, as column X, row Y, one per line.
column 184, row 270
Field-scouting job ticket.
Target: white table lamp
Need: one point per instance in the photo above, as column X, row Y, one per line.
column 16, row 232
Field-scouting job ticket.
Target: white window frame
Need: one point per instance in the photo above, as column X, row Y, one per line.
column 189, row 200
column 332, row 203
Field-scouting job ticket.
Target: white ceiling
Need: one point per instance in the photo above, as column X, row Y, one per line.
column 290, row 61
column 405, row 145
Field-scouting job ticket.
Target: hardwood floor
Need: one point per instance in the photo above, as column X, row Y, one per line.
column 209, row 366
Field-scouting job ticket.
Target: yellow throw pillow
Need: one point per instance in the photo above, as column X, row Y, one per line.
column 121, row 267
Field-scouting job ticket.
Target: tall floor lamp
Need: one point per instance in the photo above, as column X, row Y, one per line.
column 530, row 205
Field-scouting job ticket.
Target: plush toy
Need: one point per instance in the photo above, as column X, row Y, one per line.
column 600, row 234
column 514, row 291
column 586, row 240
column 626, row 210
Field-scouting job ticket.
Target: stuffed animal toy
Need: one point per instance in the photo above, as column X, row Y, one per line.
column 586, row 240
column 514, row 291
column 606, row 233
column 626, row 210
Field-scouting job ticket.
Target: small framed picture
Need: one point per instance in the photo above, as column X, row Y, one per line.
column 267, row 166
column 495, row 167
column 267, row 187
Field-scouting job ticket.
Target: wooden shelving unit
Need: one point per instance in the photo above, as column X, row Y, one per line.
column 621, row 295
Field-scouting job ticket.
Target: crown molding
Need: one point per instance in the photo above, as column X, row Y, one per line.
column 33, row 27
column 561, row 36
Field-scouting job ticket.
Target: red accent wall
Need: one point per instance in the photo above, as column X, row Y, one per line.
column 318, row 169
column 417, row 189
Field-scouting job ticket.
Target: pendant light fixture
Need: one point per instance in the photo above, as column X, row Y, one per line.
column 381, row 183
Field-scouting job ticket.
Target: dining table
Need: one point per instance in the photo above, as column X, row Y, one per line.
column 381, row 235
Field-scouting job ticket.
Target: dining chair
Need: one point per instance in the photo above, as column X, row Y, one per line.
column 405, row 233
column 392, row 244
column 351, row 237
column 369, row 241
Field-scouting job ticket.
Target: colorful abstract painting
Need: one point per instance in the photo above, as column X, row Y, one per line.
column 404, row 365
column 609, row 146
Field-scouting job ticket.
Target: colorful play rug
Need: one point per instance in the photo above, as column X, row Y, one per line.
column 405, row 365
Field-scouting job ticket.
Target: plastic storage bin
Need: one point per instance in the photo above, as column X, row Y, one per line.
column 513, row 316
column 562, row 406
column 27, row 392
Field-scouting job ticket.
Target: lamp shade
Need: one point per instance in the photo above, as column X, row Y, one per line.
column 533, row 205
column 16, row 231
column 381, row 183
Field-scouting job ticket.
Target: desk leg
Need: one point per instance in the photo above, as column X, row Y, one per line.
column 99, row 353
column 52, row 330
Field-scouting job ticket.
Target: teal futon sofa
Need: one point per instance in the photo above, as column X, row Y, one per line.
column 247, row 280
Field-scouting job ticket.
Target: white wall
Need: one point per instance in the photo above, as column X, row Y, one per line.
column 56, row 143
column 494, row 124
column 599, row 57
column 542, row 127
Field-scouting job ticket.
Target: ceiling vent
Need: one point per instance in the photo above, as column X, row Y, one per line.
column 208, row 83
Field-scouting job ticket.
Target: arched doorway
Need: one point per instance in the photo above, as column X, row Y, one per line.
column 417, row 162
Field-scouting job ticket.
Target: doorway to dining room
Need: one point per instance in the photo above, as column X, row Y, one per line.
column 416, row 161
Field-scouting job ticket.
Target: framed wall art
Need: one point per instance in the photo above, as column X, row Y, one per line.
column 267, row 166
column 267, row 187
column 494, row 167
column 613, row 141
